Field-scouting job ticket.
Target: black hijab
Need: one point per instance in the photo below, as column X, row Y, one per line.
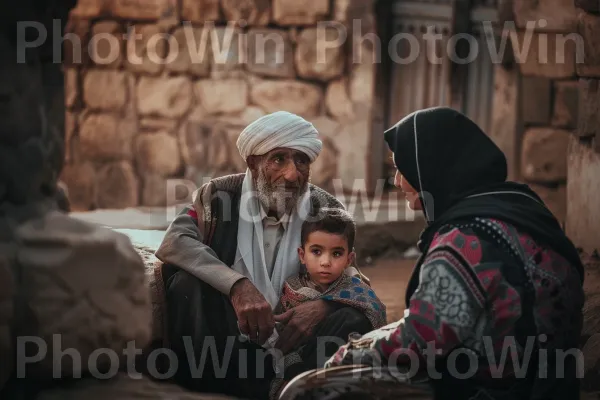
column 461, row 174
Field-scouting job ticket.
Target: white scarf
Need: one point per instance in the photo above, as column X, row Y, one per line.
column 250, row 255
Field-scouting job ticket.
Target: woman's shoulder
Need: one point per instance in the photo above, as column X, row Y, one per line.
column 486, row 238
column 479, row 240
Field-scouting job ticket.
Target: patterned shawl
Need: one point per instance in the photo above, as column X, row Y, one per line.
column 348, row 290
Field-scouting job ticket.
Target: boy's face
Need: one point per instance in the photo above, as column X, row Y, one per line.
column 326, row 256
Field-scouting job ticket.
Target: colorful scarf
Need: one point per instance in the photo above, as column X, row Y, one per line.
column 347, row 290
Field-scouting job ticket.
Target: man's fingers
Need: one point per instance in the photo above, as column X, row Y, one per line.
column 283, row 343
column 252, row 325
column 285, row 317
column 266, row 326
column 243, row 324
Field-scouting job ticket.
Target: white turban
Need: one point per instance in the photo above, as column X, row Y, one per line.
column 279, row 129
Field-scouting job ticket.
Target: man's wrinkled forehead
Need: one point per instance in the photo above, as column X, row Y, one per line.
column 285, row 152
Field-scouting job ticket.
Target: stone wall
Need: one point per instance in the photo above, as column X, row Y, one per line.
column 547, row 57
column 146, row 104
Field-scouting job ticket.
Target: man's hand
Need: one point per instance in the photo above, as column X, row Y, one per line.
column 253, row 312
column 300, row 323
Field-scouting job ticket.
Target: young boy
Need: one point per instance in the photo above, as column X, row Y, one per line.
column 326, row 252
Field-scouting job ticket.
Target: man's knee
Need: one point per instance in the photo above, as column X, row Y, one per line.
column 182, row 286
column 353, row 319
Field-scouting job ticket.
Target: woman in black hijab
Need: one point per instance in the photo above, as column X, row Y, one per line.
column 497, row 273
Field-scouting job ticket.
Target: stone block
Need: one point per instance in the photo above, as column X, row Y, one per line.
column 154, row 190
column 296, row 97
column 253, row 12
column 80, row 180
column 583, row 213
column 228, row 55
column 337, row 100
column 588, row 123
column 315, row 60
column 150, row 124
column 250, row 114
column 164, row 97
column 547, row 55
column 537, row 100
column 271, row 53
column 559, row 15
column 76, row 40
column 326, row 127
column 71, row 273
column 190, row 51
column 589, row 29
column 105, row 89
column 544, row 155
column 238, row 119
column 157, row 153
column 147, row 48
column 107, row 46
column 118, row 186
column 209, row 149
column 89, row 9
column 70, row 131
column 555, row 199
column 353, row 144
column 138, row 10
column 362, row 76
column 105, row 137
column 293, row 12
column 566, row 100
column 222, row 96
column 72, row 88
column 591, row 6
column 200, row 10
column 325, row 168
column 348, row 10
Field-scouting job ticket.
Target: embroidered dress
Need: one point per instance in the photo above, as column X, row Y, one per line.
column 471, row 296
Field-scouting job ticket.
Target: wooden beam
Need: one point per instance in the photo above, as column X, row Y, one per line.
column 457, row 79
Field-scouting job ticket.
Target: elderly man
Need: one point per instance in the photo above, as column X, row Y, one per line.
column 229, row 254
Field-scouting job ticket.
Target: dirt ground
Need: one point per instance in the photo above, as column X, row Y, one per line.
column 389, row 278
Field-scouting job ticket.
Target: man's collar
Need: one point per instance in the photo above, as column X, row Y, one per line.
column 284, row 220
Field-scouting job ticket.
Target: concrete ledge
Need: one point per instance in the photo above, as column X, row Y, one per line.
column 384, row 228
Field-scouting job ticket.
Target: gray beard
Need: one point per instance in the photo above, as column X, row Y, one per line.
column 276, row 197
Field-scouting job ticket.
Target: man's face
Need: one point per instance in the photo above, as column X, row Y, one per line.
column 281, row 176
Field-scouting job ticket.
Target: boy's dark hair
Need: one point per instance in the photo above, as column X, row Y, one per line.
column 330, row 220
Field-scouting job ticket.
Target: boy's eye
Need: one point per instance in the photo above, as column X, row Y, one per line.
column 316, row 252
column 337, row 253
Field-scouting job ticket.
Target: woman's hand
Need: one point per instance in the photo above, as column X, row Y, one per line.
column 363, row 349
column 355, row 353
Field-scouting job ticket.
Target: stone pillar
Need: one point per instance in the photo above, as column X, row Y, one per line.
column 583, row 188
column 583, row 191
column 546, row 49
column 506, row 127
